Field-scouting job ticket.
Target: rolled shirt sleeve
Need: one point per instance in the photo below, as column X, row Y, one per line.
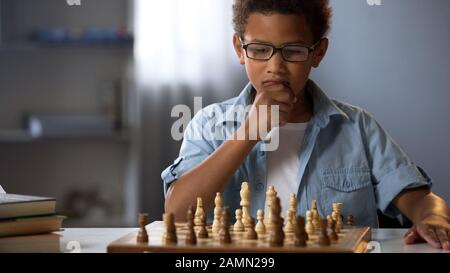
column 392, row 170
column 194, row 149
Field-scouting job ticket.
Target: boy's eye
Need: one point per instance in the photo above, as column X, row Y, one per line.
column 294, row 51
column 258, row 49
column 261, row 49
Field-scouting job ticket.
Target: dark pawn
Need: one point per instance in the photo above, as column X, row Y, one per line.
column 142, row 236
column 203, row 233
column 224, row 233
column 350, row 220
column 191, row 238
column 251, row 233
column 300, row 235
column 323, row 240
column 333, row 234
column 276, row 236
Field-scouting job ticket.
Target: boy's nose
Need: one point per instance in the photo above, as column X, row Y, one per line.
column 276, row 64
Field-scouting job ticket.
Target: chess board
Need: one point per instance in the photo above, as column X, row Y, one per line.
column 351, row 240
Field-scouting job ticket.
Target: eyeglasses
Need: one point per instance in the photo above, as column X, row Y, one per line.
column 290, row 53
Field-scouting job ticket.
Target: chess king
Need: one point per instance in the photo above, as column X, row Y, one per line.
column 328, row 150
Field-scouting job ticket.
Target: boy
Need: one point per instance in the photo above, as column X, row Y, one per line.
column 328, row 150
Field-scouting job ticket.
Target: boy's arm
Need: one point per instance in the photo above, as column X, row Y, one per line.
column 207, row 178
column 212, row 175
column 430, row 215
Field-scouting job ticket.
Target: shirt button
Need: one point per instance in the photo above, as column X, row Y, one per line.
column 259, row 186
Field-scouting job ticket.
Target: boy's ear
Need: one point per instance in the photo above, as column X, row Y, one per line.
column 238, row 48
column 319, row 53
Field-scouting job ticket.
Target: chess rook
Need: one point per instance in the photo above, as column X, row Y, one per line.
column 170, row 231
column 142, row 236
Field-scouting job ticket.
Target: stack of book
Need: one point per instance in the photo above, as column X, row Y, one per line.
column 27, row 223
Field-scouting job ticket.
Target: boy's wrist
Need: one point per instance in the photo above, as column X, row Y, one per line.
column 243, row 134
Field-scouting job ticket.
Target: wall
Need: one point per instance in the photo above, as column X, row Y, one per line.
column 73, row 79
column 393, row 60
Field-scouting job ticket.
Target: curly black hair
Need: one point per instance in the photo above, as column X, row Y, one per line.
column 317, row 13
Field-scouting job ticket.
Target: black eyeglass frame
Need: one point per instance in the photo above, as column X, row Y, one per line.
column 276, row 49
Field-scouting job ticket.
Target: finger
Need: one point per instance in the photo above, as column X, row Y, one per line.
column 283, row 105
column 443, row 238
column 429, row 234
column 412, row 237
column 285, row 108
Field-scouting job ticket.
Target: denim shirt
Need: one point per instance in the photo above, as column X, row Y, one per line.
column 347, row 157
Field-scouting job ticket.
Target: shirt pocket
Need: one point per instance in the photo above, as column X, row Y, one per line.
column 353, row 188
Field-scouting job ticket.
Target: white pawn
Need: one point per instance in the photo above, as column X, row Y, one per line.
column 271, row 194
column 309, row 226
column 289, row 226
column 239, row 225
column 217, row 213
column 293, row 204
column 260, row 228
column 315, row 215
column 199, row 212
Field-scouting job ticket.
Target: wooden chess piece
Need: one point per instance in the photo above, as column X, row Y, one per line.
column 270, row 196
column 350, row 220
column 191, row 238
column 315, row 215
column 260, row 227
column 245, row 203
column 337, row 216
column 142, row 236
column 199, row 212
column 289, row 227
column 217, row 213
column 203, row 233
column 276, row 236
column 333, row 234
column 293, row 204
column 329, row 220
column 300, row 235
column 323, row 239
column 309, row 226
column 170, row 231
column 238, row 225
column 251, row 234
column 224, row 234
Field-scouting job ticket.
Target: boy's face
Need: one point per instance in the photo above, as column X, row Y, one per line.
column 279, row 30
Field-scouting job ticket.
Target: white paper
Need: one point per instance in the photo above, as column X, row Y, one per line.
column 2, row 190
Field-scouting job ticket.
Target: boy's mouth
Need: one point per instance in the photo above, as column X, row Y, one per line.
column 269, row 83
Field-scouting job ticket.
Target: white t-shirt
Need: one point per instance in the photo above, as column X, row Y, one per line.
column 283, row 163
